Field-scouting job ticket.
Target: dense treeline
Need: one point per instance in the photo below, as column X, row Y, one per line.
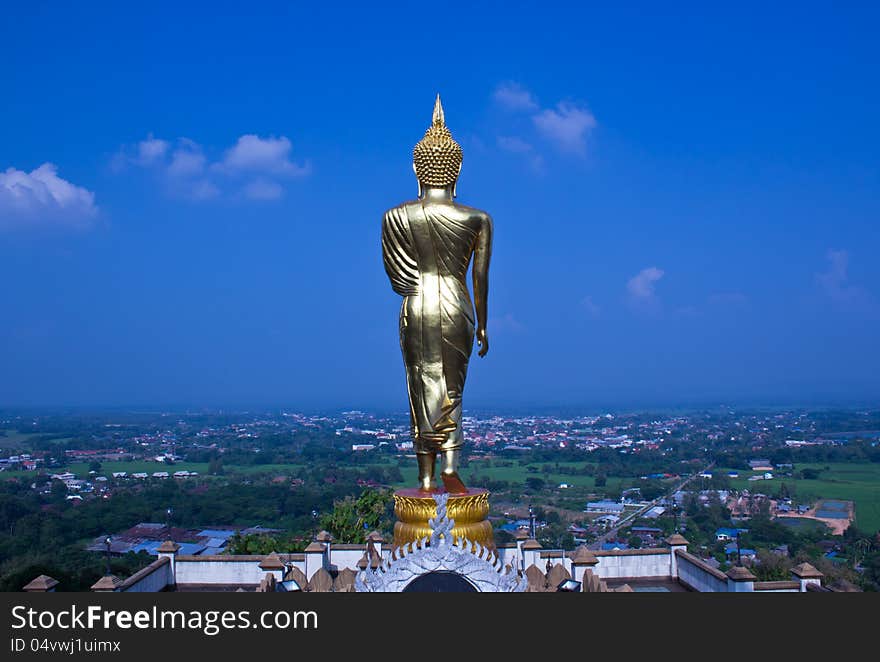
column 855, row 451
column 47, row 534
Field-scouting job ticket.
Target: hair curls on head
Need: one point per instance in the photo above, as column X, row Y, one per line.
column 437, row 157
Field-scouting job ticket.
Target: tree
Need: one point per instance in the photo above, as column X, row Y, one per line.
column 95, row 466
column 264, row 544
column 601, row 480
column 534, row 484
column 352, row 519
column 59, row 490
column 215, row 466
column 772, row 567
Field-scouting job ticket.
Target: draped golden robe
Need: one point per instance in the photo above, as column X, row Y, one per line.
column 427, row 249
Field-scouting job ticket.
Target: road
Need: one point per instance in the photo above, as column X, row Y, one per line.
column 612, row 533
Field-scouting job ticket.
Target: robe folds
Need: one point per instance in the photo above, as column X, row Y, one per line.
column 426, row 250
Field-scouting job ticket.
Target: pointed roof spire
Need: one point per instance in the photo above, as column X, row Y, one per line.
column 806, row 571
column 439, row 117
column 584, row 556
column 107, row 583
column 40, row 584
column 739, row 573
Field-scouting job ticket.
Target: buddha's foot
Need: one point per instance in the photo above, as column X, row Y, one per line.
column 453, row 483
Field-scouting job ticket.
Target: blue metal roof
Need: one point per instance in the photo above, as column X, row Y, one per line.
column 731, row 533
column 216, row 533
column 190, row 547
column 150, row 546
column 730, row 548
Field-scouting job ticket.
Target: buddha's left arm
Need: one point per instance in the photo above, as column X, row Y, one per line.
column 482, row 255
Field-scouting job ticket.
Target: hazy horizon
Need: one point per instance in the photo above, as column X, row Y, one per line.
column 588, row 409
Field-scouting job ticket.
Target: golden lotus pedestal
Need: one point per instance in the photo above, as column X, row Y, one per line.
column 413, row 508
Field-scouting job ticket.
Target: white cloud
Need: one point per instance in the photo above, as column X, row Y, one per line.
column 150, row 151
column 835, row 284
column 590, row 306
column 187, row 160
column 262, row 189
column 514, row 144
column 263, row 155
column 641, row 286
column 514, row 96
column 833, row 281
column 41, row 197
column 186, row 171
column 567, row 126
column 200, row 189
column 504, row 324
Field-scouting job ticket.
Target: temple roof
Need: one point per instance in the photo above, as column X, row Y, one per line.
column 740, row 574
column 107, row 583
column 41, row 583
column 272, row 562
column 806, row 571
column 168, row 547
column 677, row 539
column 584, row 556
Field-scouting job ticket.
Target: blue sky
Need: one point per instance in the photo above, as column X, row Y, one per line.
column 685, row 200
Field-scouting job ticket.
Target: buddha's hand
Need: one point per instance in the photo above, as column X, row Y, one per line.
column 482, row 341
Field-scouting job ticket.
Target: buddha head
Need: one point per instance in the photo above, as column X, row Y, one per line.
column 437, row 157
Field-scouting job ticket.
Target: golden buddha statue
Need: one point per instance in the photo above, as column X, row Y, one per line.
column 427, row 246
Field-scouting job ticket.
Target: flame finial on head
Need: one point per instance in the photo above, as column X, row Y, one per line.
column 437, row 157
column 439, row 119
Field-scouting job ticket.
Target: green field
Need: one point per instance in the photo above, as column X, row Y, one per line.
column 262, row 468
column 81, row 469
column 516, row 474
column 15, row 440
column 850, row 482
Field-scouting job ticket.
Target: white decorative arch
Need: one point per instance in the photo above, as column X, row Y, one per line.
column 441, row 553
